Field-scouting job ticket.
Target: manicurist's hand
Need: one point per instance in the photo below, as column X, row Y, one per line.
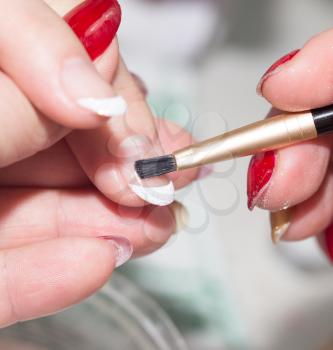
column 73, row 119
column 299, row 177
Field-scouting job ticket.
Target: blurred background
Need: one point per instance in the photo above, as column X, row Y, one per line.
column 219, row 284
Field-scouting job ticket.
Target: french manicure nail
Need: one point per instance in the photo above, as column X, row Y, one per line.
column 84, row 85
column 105, row 107
column 259, row 174
column 181, row 216
column 161, row 195
column 158, row 191
column 328, row 235
column 275, row 68
column 280, row 222
column 122, row 247
column 95, row 22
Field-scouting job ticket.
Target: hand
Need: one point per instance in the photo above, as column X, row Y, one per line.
column 298, row 177
column 61, row 238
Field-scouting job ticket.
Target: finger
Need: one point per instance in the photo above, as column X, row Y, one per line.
column 302, row 79
column 299, row 81
column 44, row 278
column 24, row 130
column 109, row 157
column 311, row 217
column 66, row 86
column 46, row 169
column 29, row 216
column 62, row 7
column 288, row 176
column 98, row 43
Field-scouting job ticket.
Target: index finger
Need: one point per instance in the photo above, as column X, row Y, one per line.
column 57, row 75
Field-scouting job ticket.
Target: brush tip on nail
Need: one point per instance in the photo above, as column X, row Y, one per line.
column 147, row 168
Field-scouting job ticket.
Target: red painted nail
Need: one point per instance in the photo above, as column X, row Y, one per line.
column 96, row 23
column 260, row 172
column 274, row 68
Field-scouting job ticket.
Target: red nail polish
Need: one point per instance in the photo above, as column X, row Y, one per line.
column 274, row 67
column 260, row 172
column 329, row 242
column 96, row 23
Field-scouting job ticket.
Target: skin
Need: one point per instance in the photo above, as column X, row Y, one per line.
column 302, row 178
column 50, row 257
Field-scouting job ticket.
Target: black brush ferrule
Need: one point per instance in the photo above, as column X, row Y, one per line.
column 323, row 119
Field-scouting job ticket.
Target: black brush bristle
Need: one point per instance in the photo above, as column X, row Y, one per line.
column 158, row 166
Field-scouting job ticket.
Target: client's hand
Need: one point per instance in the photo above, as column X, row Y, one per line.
column 60, row 236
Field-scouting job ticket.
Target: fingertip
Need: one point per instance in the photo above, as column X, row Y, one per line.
column 95, row 23
column 275, row 68
column 301, row 80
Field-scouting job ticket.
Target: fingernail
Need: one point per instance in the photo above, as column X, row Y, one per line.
column 105, row 107
column 84, row 85
column 280, row 222
column 160, row 195
column 275, row 68
column 329, row 242
column 96, row 23
column 181, row 216
column 157, row 191
column 259, row 174
column 122, row 246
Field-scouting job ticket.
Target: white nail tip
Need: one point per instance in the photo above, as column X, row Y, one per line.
column 105, row 107
column 161, row 195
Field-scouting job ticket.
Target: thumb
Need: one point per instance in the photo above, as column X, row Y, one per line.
column 302, row 79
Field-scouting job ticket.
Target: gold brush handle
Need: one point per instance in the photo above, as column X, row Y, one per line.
column 265, row 135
